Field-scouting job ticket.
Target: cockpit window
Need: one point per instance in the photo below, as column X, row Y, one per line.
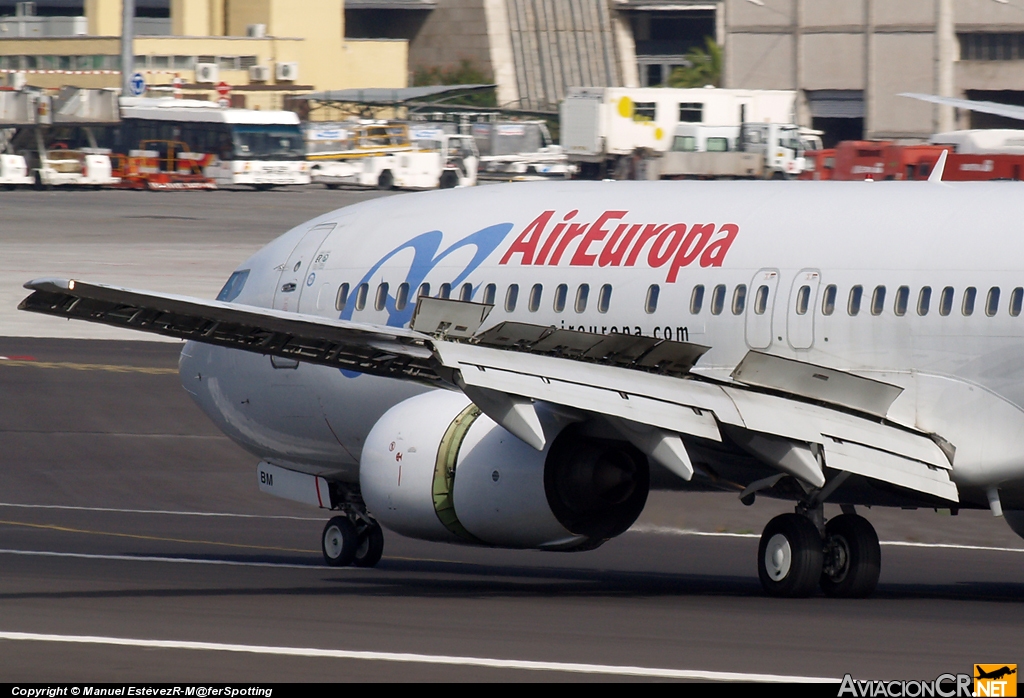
column 234, row 286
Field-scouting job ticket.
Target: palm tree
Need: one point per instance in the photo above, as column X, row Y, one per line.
column 705, row 67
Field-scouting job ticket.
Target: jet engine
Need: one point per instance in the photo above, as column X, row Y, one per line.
column 434, row 467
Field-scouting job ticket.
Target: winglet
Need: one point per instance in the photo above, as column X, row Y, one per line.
column 940, row 165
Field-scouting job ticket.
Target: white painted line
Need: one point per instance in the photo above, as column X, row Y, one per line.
column 569, row 667
column 668, row 530
column 179, row 560
column 158, row 511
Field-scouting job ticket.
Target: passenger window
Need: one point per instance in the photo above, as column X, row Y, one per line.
column 1016, row 301
column 902, row 299
column 424, row 291
column 761, row 300
column 511, row 297
column 970, row 294
column 718, row 299
column 342, row 299
column 604, row 298
column 382, row 296
column 739, row 299
column 535, row 294
column 697, row 299
column 853, row 305
column 490, row 290
column 561, row 293
column 402, row 297
column 878, row 300
column 924, row 300
column 651, row 304
column 803, row 300
column 828, row 301
column 946, row 301
column 445, row 291
column 582, row 293
column 466, row 292
column 361, row 293
column 992, row 302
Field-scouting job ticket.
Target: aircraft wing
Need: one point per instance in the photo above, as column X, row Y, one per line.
column 796, row 417
column 375, row 349
column 1010, row 111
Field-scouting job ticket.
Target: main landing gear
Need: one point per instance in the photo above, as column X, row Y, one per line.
column 795, row 556
column 346, row 543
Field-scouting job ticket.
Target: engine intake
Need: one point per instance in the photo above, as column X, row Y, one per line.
column 435, row 467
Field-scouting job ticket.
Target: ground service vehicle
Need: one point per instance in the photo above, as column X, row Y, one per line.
column 261, row 149
column 435, row 160
column 749, row 151
column 600, row 125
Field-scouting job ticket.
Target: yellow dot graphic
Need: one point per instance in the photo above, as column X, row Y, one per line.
column 626, row 107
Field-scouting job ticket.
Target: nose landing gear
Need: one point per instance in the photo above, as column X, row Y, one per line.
column 346, row 543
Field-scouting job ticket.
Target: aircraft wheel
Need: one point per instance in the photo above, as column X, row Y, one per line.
column 789, row 558
column 852, row 558
column 340, row 542
column 370, row 547
column 449, row 180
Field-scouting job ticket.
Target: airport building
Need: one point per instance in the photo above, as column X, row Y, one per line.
column 266, row 50
column 850, row 59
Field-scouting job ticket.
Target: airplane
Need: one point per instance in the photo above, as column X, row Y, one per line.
column 518, row 365
column 995, row 674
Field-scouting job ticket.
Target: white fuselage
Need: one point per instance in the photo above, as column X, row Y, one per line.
column 962, row 373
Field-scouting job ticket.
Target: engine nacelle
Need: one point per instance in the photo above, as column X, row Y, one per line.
column 435, row 468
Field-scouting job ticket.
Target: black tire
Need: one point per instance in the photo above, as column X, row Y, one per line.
column 371, row 546
column 339, row 542
column 39, row 184
column 789, row 557
column 852, row 559
column 386, row 181
column 332, row 187
column 449, row 180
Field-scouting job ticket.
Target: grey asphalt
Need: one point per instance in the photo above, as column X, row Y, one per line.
column 107, row 462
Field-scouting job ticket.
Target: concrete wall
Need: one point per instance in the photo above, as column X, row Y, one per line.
column 880, row 47
column 455, row 30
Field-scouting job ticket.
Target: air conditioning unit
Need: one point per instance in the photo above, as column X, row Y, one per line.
column 256, row 31
column 259, row 73
column 207, row 72
column 288, row 71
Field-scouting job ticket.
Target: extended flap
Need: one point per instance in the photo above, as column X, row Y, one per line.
column 889, row 467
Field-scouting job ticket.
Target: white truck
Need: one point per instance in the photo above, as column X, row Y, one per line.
column 749, row 151
column 13, row 168
column 437, row 160
column 601, row 125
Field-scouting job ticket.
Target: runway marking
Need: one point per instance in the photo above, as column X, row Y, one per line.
column 408, row 657
column 112, row 368
column 161, row 511
column 137, row 536
column 668, row 530
column 177, row 560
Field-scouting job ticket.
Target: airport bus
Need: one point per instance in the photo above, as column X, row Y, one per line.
column 262, row 149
